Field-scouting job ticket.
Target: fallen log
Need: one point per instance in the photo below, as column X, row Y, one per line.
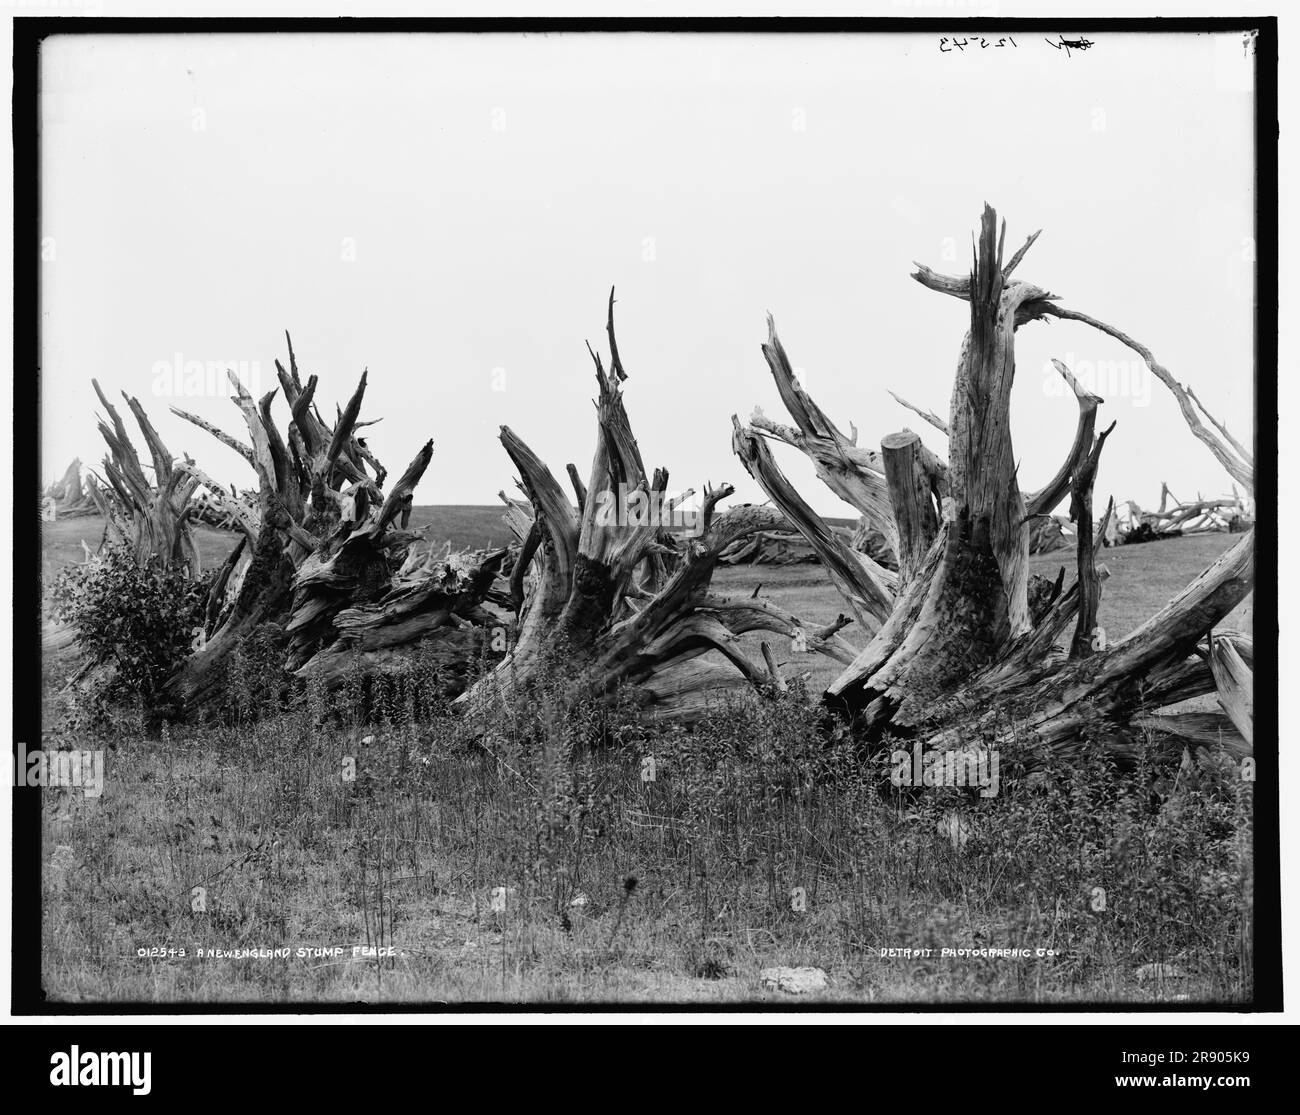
column 1173, row 518
column 773, row 548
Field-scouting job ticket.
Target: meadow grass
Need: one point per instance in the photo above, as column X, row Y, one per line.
column 466, row 527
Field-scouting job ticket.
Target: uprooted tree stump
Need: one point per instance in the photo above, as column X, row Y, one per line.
column 1173, row 518
column 69, row 497
column 967, row 646
column 619, row 598
column 964, row 646
column 152, row 517
column 326, row 555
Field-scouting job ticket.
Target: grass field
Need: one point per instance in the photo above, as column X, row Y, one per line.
column 466, row 527
column 1142, row 580
column 498, row 869
column 469, row 528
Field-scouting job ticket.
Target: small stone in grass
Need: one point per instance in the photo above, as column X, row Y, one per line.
column 795, row 981
column 501, row 897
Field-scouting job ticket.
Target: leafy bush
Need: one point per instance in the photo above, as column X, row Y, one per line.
column 138, row 618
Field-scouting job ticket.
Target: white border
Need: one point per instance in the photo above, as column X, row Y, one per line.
column 1289, row 465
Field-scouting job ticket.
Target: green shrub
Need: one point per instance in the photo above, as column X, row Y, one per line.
column 138, row 618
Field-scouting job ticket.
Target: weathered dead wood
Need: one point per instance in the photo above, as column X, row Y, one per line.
column 1203, row 515
column 982, row 468
column 969, row 596
column 218, row 433
column 263, row 596
column 619, row 622
column 867, row 587
column 915, row 512
column 1047, row 533
column 854, row 474
column 349, row 567
column 440, row 613
column 777, row 548
column 929, row 415
column 743, row 616
column 1085, row 631
column 1234, row 680
column 1239, row 464
column 68, row 498
column 213, row 505
column 151, row 516
column 962, row 653
column 1230, row 453
column 519, row 573
column 867, row 538
column 1194, row 731
column 1044, row 502
column 962, row 649
column 330, row 562
column 1063, row 705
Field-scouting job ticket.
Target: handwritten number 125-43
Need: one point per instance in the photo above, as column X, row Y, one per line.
column 947, row 45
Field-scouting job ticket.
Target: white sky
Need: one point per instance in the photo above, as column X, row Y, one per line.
column 493, row 187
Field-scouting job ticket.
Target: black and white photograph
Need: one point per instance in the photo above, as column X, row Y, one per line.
column 767, row 516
